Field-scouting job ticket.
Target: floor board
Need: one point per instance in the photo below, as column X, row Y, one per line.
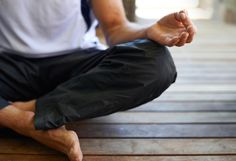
column 149, row 147
column 168, row 117
column 187, row 106
column 194, row 120
column 118, row 158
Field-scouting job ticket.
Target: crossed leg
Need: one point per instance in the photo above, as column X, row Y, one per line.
column 59, row 139
column 130, row 74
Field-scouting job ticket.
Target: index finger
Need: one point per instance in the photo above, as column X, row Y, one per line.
column 185, row 18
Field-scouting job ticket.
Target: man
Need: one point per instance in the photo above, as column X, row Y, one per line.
column 54, row 71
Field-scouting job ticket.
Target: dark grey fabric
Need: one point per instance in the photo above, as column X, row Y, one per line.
column 3, row 103
column 88, row 83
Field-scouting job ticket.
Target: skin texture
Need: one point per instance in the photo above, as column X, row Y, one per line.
column 175, row 29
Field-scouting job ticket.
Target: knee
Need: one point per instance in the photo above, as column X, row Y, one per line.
column 161, row 64
column 167, row 70
column 145, row 62
column 160, row 61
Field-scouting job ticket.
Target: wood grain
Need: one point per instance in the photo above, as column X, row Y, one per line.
column 206, row 55
column 203, row 88
column 154, row 130
column 194, row 120
column 193, row 96
column 168, row 117
column 144, row 131
column 129, row 147
column 7, row 157
column 187, row 106
column 161, row 158
column 159, row 147
column 117, row 158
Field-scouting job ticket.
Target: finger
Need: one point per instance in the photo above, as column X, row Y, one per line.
column 183, row 39
column 185, row 18
column 186, row 12
column 167, row 42
column 192, row 31
column 173, row 41
column 179, row 16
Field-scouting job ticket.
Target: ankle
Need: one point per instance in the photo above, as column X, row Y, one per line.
column 26, row 106
column 15, row 118
column 27, row 122
column 5, row 117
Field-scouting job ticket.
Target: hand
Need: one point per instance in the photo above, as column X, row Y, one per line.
column 175, row 29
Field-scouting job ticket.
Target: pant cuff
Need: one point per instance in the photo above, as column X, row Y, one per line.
column 3, row 103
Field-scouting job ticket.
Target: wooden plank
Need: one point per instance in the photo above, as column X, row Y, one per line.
column 206, row 78
column 203, row 63
column 198, row 47
column 211, row 72
column 206, row 55
column 204, row 66
column 202, row 70
column 194, row 51
column 226, row 88
column 153, row 130
column 199, row 80
column 12, row 157
column 161, row 158
column 195, row 66
column 181, row 61
column 188, row 96
column 208, row 75
column 165, row 117
column 189, row 59
column 182, row 66
column 23, row 146
column 207, row 46
column 158, row 147
column 117, row 158
column 129, row 147
column 145, row 131
column 205, row 69
column 203, row 81
column 198, row 65
column 203, row 48
column 187, row 106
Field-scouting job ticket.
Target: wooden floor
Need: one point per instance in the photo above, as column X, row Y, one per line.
column 195, row 120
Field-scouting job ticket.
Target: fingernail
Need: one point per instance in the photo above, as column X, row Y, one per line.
column 182, row 15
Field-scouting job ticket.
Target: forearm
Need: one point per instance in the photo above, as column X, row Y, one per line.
column 113, row 21
column 125, row 33
column 175, row 29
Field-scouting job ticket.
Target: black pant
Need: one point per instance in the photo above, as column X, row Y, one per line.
column 87, row 83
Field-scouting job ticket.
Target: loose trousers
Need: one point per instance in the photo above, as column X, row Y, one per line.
column 83, row 84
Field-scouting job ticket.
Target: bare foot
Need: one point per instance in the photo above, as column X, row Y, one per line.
column 62, row 140
column 59, row 139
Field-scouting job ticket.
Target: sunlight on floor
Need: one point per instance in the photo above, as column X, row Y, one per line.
column 157, row 8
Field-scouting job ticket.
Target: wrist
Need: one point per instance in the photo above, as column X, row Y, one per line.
column 150, row 31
